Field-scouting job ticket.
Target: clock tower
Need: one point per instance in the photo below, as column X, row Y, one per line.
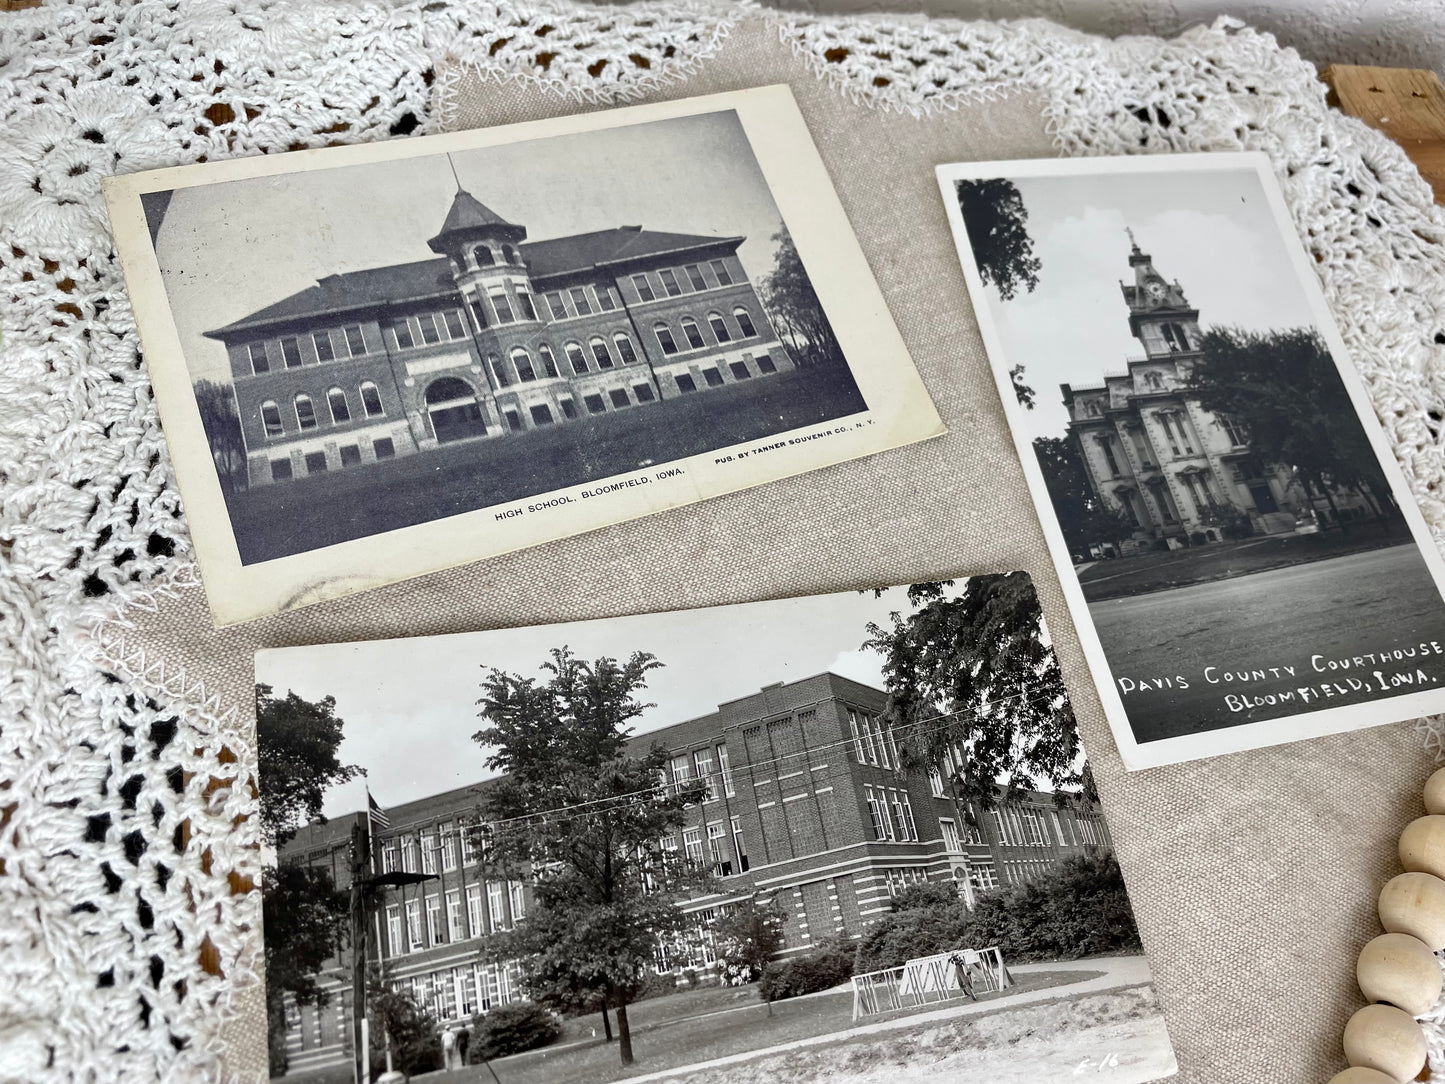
column 1160, row 316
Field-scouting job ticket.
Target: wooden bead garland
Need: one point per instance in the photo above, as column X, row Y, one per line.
column 1398, row 971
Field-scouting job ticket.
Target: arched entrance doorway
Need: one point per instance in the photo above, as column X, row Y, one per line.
column 454, row 411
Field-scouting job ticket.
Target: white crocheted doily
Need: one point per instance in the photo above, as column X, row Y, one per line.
column 122, row 822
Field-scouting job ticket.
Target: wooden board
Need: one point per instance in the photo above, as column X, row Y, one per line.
column 1407, row 104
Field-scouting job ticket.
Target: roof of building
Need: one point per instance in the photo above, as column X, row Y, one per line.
column 468, row 212
column 432, row 278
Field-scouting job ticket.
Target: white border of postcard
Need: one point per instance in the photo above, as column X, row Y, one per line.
column 901, row 411
column 1246, row 735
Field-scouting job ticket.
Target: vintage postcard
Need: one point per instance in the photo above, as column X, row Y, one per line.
column 1240, row 553
column 587, row 852
column 378, row 361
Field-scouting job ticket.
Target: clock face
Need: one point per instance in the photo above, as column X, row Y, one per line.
column 1155, row 290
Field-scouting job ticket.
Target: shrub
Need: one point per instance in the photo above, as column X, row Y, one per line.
column 830, row 963
column 926, row 894
column 656, row 985
column 512, row 1029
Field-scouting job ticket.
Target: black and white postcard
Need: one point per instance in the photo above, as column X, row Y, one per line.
column 840, row 839
column 1240, row 553
column 383, row 360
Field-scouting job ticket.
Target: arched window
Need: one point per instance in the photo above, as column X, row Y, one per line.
column 509, row 254
column 453, row 409
column 600, row 352
column 305, row 412
column 271, row 418
column 575, row 356
column 371, row 400
column 522, row 362
column 624, row 349
column 483, row 256
column 745, row 322
column 340, row 410
column 549, row 363
column 719, row 327
column 694, row 336
column 499, row 371
column 664, row 338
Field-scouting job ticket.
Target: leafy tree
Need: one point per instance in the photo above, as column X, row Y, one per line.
column 586, row 817
column 296, row 744
column 748, row 937
column 971, row 671
column 793, row 306
column 513, row 1029
column 222, row 422
column 1083, row 517
column 1022, row 391
column 997, row 223
column 1283, row 388
column 303, row 915
column 415, row 1041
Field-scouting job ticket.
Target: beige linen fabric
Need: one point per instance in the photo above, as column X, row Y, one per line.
column 1253, row 876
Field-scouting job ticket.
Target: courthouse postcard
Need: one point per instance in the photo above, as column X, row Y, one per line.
column 378, row 361
column 1239, row 550
column 877, row 812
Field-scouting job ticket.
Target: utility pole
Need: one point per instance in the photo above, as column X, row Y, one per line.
column 359, row 850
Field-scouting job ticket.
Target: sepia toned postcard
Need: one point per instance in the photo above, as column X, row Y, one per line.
column 378, row 361
column 1238, row 548
column 797, row 867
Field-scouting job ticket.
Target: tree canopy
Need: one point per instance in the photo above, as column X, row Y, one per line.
column 971, row 671
column 996, row 220
column 584, row 817
column 296, row 746
column 1083, row 518
column 1284, row 389
column 797, row 314
column 222, row 423
column 303, row 915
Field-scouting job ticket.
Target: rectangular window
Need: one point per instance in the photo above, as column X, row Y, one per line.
column 291, row 352
column 900, row 822
column 720, row 269
column 429, row 333
column 518, row 900
column 665, row 339
column 350, row 455
column 555, row 305
column 694, row 276
column 681, row 773
column 935, row 782
column 428, row 852
column 433, row 920
column 719, row 328
column 502, row 305
column 694, row 336
column 383, row 448
column 524, row 302
column 722, row 865
column 448, row 845
column 713, row 377
column 740, row 370
column 393, row 929
column 475, row 925
column 496, row 912
column 644, row 393
column 741, row 851
column 408, row 854
column 514, row 421
column 280, row 470
column 260, row 363
column 388, row 856
column 479, row 314
column 643, row 287
column 669, row 282
column 692, row 844
column 579, row 300
column 765, row 364
column 1034, row 834
column 413, row 924
column 951, row 842
column 542, row 414
column 455, row 930
column 456, row 329
column 702, row 768
column 315, row 462
column 569, row 408
column 355, row 341
column 983, row 875
column 725, row 769
column 877, row 813
column 594, row 404
column 685, row 383
column 604, row 297
column 619, row 398
column 322, row 341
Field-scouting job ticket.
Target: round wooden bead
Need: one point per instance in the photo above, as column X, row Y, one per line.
column 1361, row 1074
column 1435, row 792
column 1386, row 1039
column 1422, row 846
column 1399, row 969
column 1414, row 903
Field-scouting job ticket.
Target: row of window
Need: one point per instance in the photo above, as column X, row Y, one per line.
column 337, row 404
column 891, row 813
column 328, row 345
column 684, row 768
column 692, row 333
column 673, row 283
column 506, row 905
column 953, row 839
column 523, row 369
column 441, row 846
column 457, row 993
column 350, row 455
column 716, row 856
column 873, row 741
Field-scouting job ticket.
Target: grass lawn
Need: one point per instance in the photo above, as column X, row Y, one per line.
column 278, row 520
column 1151, row 572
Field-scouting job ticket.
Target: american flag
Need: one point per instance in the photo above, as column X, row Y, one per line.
column 376, row 814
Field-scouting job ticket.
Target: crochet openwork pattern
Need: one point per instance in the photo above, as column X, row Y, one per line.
column 126, row 831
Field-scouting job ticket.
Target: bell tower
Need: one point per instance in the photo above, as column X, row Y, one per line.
column 486, row 262
column 1160, row 316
